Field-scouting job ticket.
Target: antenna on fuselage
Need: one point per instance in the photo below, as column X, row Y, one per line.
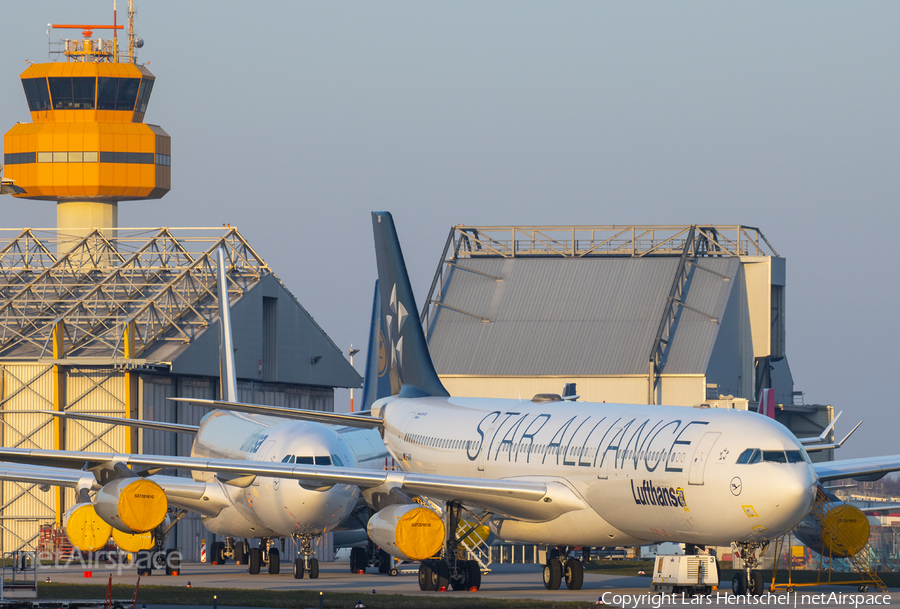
column 227, row 378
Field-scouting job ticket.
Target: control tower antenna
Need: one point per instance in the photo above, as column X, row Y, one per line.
column 87, row 147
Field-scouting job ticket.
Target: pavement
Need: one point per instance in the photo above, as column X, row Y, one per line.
column 504, row 581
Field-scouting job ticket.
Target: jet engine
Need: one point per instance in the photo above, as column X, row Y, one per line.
column 84, row 527
column 844, row 531
column 132, row 505
column 408, row 532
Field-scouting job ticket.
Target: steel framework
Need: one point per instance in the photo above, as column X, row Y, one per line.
column 113, row 295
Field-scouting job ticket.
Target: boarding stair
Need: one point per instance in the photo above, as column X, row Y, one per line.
column 473, row 538
column 836, row 536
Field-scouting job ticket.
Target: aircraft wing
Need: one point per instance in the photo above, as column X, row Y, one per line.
column 870, row 468
column 874, row 509
column 96, row 418
column 317, row 416
column 531, row 499
column 51, row 476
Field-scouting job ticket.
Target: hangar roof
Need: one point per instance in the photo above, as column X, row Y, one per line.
column 144, row 298
column 534, row 301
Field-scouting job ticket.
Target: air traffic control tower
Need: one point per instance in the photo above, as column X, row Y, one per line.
column 87, row 146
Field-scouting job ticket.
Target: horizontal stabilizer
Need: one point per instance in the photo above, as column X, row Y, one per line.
column 317, row 416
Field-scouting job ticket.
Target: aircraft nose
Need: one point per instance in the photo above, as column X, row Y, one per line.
column 793, row 490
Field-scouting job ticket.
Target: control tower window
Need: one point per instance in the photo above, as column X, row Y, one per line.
column 117, row 93
column 144, row 95
column 72, row 93
column 128, row 90
column 36, row 93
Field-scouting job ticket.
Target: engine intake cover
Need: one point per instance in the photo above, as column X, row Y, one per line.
column 409, row 532
column 85, row 529
column 132, row 505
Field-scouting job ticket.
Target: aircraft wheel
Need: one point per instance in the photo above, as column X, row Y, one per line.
column 552, row 574
column 241, row 552
column 474, row 575
column 755, row 586
column 425, row 576
column 143, row 563
column 254, row 561
column 574, row 574
column 739, row 584
column 384, row 561
column 862, row 589
column 358, row 560
column 394, row 572
column 298, row 568
column 461, row 581
column 274, row 562
column 440, row 577
column 173, row 562
column 313, row 568
column 159, row 560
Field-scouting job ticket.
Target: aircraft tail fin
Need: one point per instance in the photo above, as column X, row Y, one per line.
column 377, row 381
column 227, row 377
column 412, row 372
column 767, row 403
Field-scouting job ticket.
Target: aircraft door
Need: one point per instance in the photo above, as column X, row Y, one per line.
column 606, row 460
column 701, row 456
column 486, row 445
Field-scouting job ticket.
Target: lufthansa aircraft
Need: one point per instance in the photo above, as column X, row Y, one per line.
column 541, row 471
column 132, row 503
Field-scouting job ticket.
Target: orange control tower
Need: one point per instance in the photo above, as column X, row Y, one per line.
column 87, row 147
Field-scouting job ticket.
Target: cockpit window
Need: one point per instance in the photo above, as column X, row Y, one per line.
column 337, row 461
column 751, row 455
column 288, row 459
column 794, row 456
column 305, row 460
column 774, row 456
column 323, row 460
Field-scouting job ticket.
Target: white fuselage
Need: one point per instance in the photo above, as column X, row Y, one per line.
column 275, row 507
column 644, row 473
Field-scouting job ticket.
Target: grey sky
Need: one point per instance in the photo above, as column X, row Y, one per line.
column 293, row 120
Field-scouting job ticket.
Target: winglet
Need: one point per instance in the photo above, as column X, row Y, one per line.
column 227, row 378
column 412, row 372
column 377, row 381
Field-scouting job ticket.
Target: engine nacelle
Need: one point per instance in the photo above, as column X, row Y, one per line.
column 85, row 529
column 408, row 532
column 132, row 505
column 844, row 532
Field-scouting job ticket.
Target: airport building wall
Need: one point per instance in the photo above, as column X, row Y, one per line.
column 95, row 331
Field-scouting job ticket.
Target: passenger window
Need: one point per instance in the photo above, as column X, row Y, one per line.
column 774, row 456
column 305, row 460
column 323, row 460
column 794, row 456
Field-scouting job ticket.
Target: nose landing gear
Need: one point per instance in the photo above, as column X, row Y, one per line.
column 750, row 582
column 305, row 562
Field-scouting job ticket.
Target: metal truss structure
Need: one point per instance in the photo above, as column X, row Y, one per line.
column 113, row 295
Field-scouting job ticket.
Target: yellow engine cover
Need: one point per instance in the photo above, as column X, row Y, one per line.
column 132, row 505
column 133, row 542
column 845, row 530
column 85, row 529
column 409, row 532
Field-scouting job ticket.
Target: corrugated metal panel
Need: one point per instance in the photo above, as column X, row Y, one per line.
column 154, row 405
column 552, row 316
column 31, row 507
column 95, row 391
column 27, row 387
column 694, row 335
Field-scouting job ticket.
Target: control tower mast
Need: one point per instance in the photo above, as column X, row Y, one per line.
column 87, row 147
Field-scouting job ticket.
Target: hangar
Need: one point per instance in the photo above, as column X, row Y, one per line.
column 681, row 315
column 125, row 319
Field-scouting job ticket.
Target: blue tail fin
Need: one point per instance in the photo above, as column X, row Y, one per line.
column 409, row 362
column 377, row 381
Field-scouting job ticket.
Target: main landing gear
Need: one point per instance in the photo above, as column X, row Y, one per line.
column 750, row 582
column 451, row 570
column 561, row 567
column 306, row 563
column 266, row 555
